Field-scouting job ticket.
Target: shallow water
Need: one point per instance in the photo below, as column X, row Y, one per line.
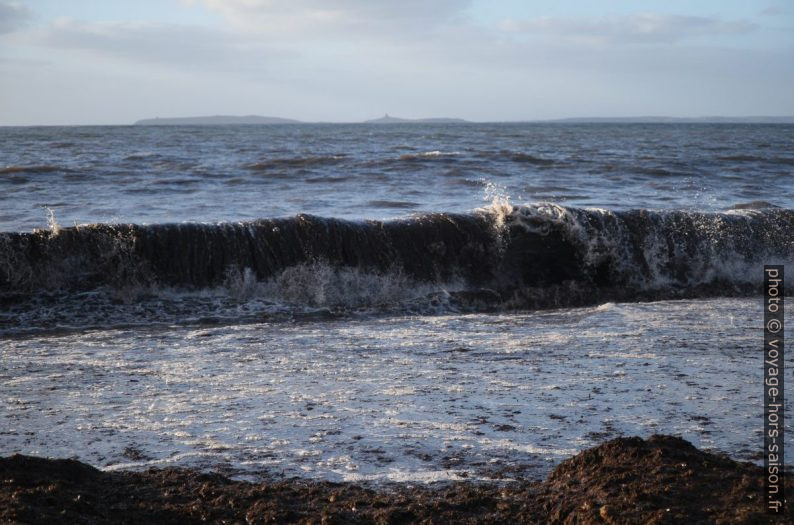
column 392, row 398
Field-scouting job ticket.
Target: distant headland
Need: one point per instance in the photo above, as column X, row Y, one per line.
column 256, row 119
column 214, row 121
column 676, row 120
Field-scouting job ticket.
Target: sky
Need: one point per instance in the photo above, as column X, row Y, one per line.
column 68, row 62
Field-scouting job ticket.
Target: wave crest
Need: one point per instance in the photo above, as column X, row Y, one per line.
column 502, row 256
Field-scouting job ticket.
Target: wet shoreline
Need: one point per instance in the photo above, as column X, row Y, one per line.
column 627, row 480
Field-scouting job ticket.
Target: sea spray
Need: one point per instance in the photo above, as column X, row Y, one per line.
column 52, row 223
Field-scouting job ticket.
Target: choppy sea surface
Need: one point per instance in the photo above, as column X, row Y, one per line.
column 408, row 302
column 232, row 173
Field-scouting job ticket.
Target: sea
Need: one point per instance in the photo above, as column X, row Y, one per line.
column 407, row 303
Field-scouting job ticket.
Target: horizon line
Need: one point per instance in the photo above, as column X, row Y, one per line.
column 650, row 119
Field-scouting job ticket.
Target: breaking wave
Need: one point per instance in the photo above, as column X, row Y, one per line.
column 428, row 155
column 500, row 257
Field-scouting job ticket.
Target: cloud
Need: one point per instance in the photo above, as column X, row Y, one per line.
column 158, row 43
column 629, row 29
column 291, row 37
column 354, row 59
column 774, row 10
column 13, row 15
column 302, row 19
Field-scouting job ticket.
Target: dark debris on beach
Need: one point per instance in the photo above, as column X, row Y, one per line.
column 624, row 481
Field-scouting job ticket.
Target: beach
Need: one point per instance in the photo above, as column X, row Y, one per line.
column 627, row 480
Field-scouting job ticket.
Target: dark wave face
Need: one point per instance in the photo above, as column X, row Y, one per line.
column 501, row 257
column 43, row 168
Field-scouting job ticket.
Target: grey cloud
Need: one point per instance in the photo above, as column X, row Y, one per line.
column 774, row 10
column 366, row 8
column 309, row 19
column 165, row 44
column 374, row 8
column 355, row 58
column 13, row 15
column 30, row 63
column 634, row 28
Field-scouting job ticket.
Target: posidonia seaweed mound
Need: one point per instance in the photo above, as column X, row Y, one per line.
column 660, row 480
column 628, row 480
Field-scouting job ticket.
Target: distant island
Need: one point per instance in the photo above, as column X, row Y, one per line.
column 675, row 120
column 214, row 121
column 220, row 120
column 387, row 119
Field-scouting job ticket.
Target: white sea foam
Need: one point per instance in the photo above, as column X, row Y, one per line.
column 386, row 399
